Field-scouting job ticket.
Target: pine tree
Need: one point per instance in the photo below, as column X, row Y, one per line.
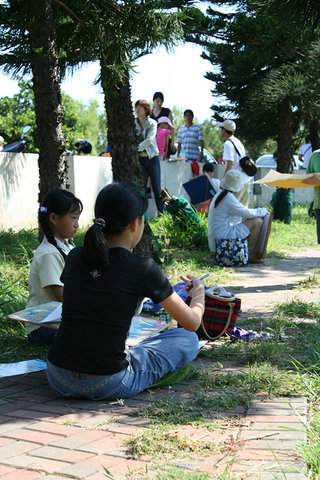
column 258, row 62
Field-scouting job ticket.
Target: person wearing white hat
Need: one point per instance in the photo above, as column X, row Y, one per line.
column 1, row 143
column 233, row 150
column 230, row 219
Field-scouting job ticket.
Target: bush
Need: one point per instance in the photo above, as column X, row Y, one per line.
column 175, row 232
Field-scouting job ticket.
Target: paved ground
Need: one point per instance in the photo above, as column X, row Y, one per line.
column 44, row 437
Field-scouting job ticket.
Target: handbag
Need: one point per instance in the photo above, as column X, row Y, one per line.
column 231, row 252
column 220, row 316
column 246, row 163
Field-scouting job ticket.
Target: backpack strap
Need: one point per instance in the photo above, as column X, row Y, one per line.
column 238, row 153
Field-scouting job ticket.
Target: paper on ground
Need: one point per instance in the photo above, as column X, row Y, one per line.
column 19, row 368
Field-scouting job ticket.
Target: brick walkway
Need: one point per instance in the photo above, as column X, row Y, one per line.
column 44, row 437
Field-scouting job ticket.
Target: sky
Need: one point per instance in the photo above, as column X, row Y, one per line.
column 178, row 75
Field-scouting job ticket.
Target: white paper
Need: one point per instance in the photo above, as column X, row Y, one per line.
column 19, row 368
column 202, row 344
column 54, row 316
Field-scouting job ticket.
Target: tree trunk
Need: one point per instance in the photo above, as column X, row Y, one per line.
column 314, row 134
column 47, row 95
column 123, row 142
column 284, row 141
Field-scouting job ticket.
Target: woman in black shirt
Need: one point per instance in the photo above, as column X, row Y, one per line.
column 104, row 285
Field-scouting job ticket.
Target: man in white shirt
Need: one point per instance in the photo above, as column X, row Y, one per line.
column 233, row 151
column 305, row 153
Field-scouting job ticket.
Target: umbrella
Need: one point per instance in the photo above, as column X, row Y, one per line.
column 289, row 180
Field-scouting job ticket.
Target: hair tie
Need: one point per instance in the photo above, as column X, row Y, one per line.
column 43, row 209
column 99, row 221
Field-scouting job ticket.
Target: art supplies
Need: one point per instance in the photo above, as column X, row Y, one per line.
column 200, row 189
column 21, row 368
column 49, row 315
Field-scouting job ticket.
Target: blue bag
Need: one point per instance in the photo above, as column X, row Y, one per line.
column 231, row 252
column 153, row 308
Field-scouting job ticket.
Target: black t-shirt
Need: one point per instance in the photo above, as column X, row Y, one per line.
column 164, row 112
column 97, row 312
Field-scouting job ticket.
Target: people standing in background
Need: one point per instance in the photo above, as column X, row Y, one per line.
column 233, row 151
column 314, row 167
column 146, row 129
column 165, row 129
column 190, row 137
column 160, row 111
column 305, row 153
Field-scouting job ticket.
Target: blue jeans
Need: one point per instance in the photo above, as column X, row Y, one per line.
column 151, row 167
column 149, row 361
column 42, row 336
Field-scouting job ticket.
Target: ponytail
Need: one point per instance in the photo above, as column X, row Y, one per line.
column 96, row 249
column 117, row 205
column 220, row 197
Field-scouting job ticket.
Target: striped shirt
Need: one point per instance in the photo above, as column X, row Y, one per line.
column 189, row 138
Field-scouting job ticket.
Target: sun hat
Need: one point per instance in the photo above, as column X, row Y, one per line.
column 228, row 125
column 165, row 120
column 232, row 181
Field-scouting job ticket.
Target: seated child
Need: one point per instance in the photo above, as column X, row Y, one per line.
column 208, row 170
column 59, row 221
column 164, row 131
column 104, row 285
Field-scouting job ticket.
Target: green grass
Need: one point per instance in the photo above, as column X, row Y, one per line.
column 162, row 471
column 288, row 365
column 166, row 440
column 299, row 235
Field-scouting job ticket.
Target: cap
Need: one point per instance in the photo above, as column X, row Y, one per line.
column 228, row 125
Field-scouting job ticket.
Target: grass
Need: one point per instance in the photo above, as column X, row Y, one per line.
column 288, row 365
column 301, row 234
column 166, row 440
column 163, row 471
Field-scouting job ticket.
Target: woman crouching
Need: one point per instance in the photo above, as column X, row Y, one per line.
column 104, row 285
column 229, row 219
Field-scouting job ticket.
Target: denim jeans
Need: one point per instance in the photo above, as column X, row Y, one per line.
column 149, row 361
column 42, row 336
column 151, row 167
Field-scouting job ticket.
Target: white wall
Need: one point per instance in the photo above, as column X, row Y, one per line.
column 19, row 179
column 19, row 186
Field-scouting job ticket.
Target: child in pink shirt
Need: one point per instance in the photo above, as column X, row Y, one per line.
column 165, row 129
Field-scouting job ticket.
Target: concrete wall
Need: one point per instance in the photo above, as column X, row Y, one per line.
column 19, row 180
column 19, row 186
column 87, row 175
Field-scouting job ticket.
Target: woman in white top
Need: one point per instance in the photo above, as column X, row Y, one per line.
column 229, row 219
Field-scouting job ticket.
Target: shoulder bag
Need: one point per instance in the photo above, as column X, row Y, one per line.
column 220, row 316
column 247, row 165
